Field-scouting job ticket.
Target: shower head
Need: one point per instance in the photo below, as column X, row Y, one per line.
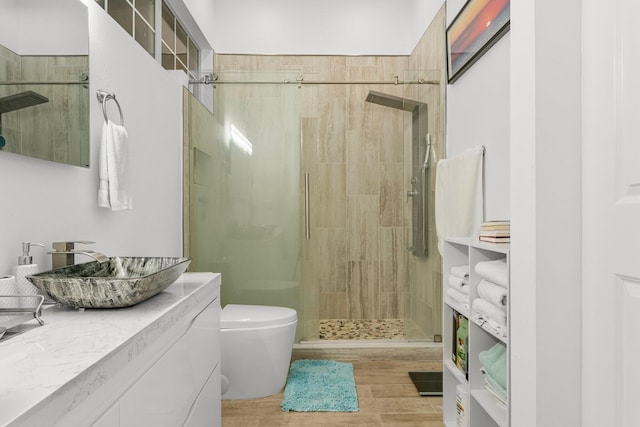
column 21, row 100
column 393, row 101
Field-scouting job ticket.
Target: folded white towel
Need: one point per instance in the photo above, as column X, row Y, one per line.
column 494, row 271
column 114, row 191
column 460, row 270
column 495, row 294
column 458, row 297
column 459, row 284
column 500, row 399
column 459, row 201
column 486, row 314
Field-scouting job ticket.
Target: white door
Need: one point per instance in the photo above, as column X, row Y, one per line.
column 611, row 213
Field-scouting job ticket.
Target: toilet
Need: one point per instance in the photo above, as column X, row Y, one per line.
column 257, row 341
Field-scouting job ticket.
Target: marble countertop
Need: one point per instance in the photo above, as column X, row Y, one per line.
column 74, row 352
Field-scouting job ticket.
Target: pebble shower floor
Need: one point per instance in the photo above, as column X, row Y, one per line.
column 362, row 329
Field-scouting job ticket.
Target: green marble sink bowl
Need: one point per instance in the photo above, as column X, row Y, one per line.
column 118, row 282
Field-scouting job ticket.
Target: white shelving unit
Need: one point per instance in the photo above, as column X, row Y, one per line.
column 482, row 409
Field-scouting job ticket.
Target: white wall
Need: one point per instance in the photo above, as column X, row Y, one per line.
column 321, row 27
column 202, row 13
column 45, row 202
column 478, row 114
column 9, row 25
column 546, row 264
column 43, row 17
column 32, row 27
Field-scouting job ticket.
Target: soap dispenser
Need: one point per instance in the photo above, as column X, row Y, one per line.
column 25, row 268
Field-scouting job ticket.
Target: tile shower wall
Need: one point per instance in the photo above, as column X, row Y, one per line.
column 356, row 260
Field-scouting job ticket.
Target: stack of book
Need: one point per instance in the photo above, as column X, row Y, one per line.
column 496, row 231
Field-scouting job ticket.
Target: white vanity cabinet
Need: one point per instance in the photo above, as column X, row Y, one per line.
column 481, row 409
column 154, row 364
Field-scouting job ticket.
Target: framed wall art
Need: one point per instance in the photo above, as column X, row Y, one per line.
column 477, row 27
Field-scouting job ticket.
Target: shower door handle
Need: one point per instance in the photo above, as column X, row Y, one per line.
column 307, row 225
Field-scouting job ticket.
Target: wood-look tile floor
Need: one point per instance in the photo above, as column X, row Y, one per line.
column 386, row 395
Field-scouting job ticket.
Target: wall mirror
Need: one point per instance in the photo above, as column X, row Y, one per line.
column 44, row 80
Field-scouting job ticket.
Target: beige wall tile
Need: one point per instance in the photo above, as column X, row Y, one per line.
column 362, row 289
column 395, row 66
column 331, row 259
column 332, row 106
column 329, row 195
column 309, row 139
column 362, row 163
column 388, row 306
column 390, row 125
column 362, row 228
column 393, row 259
column 333, row 306
column 323, row 68
column 392, row 194
column 359, row 112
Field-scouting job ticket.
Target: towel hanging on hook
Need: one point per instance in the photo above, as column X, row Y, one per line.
column 103, row 97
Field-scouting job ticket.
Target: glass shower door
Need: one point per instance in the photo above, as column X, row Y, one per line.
column 246, row 197
column 423, row 291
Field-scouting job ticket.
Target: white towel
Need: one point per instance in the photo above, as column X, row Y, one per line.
column 458, row 297
column 459, row 284
column 500, row 398
column 460, row 270
column 494, row 271
column 459, row 201
column 114, row 191
column 495, row 294
column 488, row 315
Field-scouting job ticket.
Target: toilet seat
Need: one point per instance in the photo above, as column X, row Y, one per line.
column 238, row 316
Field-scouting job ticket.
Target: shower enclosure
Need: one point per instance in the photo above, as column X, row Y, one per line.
column 303, row 194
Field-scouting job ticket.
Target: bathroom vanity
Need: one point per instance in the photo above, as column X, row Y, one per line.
column 156, row 363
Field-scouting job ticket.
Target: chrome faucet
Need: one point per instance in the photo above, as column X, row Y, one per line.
column 63, row 253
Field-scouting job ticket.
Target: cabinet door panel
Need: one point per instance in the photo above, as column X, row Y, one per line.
column 207, row 410
column 111, row 418
column 165, row 394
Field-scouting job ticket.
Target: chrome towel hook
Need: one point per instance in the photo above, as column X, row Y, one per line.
column 103, row 97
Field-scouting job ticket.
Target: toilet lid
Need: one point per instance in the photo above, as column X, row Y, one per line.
column 235, row 316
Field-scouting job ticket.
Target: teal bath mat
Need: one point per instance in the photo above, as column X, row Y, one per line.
column 320, row 385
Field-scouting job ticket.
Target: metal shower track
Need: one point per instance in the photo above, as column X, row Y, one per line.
column 299, row 80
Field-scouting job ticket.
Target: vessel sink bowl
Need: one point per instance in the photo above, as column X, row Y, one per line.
column 118, row 282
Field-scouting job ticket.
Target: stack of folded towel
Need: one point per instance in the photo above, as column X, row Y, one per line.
column 490, row 308
column 458, row 289
column 494, row 371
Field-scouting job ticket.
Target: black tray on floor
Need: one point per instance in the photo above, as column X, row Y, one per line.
column 427, row 383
